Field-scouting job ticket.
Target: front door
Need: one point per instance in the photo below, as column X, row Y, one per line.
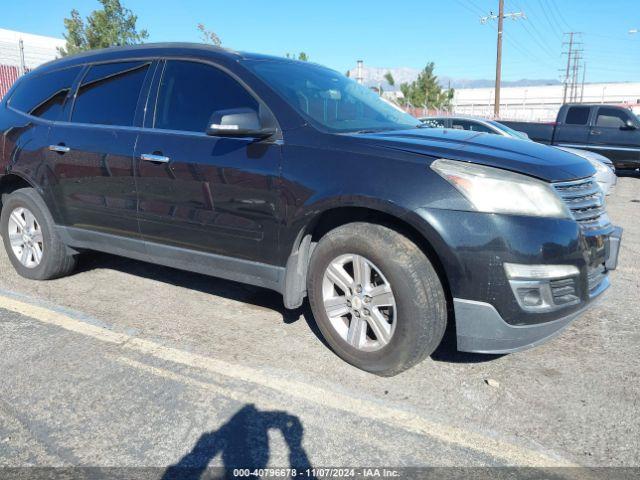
column 610, row 136
column 574, row 129
column 91, row 152
column 208, row 194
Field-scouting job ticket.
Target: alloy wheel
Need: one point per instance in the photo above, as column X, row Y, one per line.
column 359, row 302
column 25, row 237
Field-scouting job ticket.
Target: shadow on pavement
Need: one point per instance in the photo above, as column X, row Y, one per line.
column 447, row 351
column 260, row 297
column 242, row 442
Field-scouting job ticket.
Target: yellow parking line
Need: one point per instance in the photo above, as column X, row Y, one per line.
column 509, row 453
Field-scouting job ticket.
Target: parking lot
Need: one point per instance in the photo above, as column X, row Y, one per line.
column 131, row 364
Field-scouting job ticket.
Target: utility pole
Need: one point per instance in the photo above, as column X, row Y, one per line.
column 574, row 77
column 572, row 69
column 584, row 74
column 22, row 69
column 496, row 104
column 500, row 17
column 566, row 75
column 577, row 65
column 359, row 77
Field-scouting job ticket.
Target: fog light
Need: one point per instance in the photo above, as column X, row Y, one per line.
column 539, row 272
column 543, row 288
column 530, row 297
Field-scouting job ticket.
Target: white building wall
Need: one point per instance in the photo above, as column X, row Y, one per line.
column 38, row 49
column 21, row 52
column 539, row 103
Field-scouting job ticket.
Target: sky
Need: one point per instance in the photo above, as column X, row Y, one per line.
column 402, row 33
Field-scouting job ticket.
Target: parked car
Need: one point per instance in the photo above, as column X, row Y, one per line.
column 291, row 176
column 612, row 131
column 605, row 170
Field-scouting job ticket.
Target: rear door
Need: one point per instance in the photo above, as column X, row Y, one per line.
column 573, row 129
column 39, row 99
column 209, row 194
column 91, row 152
column 612, row 137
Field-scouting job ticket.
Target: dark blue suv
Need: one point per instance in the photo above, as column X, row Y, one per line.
column 291, row 176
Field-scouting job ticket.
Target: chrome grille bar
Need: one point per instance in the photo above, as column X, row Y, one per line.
column 585, row 200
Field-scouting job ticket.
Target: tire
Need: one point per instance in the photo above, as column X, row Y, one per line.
column 55, row 259
column 414, row 323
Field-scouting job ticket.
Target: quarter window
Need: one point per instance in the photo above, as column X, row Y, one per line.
column 109, row 94
column 44, row 95
column 577, row 116
column 611, row 117
column 191, row 92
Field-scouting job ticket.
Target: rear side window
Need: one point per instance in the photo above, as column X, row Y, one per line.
column 470, row 125
column 44, row 95
column 108, row 94
column 191, row 92
column 434, row 122
column 577, row 116
column 611, row 117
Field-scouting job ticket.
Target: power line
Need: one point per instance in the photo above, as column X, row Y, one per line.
column 478, row 10
column 475, row 11
column 558, row 27
column 546, row 15
column 560, row 16
column 535, row 34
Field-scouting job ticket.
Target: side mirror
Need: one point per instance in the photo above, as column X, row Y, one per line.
column 237, row 122
column 628, row 125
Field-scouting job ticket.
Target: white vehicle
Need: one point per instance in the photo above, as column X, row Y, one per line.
column 605, row 170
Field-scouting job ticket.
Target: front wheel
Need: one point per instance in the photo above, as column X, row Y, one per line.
column 376, row 298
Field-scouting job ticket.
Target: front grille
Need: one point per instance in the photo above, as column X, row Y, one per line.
column 595, row 275
column 585, row 200
column 564, row 291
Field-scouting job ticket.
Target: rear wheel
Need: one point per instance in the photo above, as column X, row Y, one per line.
column 376, row 297
column 28, row 232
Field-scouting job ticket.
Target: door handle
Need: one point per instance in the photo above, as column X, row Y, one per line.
column 152, row 157
column 595, row 132
column 59, row 148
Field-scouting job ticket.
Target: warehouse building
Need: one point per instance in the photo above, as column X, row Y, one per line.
column 541, row 103
column 21, row 52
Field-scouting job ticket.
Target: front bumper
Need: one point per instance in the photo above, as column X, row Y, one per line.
column 481, row 329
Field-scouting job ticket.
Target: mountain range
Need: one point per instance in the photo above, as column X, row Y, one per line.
column 374, row 76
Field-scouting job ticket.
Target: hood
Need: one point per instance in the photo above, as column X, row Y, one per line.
column 520, row 156
column 589, row 155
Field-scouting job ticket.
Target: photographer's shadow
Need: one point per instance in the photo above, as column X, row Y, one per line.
column 242, row 442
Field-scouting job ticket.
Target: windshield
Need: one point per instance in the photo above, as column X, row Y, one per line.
column 330, row 99
column 511, row 131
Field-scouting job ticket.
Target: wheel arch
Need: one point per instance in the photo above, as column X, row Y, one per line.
column 11, row 182
column 308, row 236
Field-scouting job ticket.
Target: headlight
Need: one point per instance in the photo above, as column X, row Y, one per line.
column 494, row 190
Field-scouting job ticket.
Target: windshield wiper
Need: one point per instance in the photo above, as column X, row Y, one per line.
column 373, row 130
